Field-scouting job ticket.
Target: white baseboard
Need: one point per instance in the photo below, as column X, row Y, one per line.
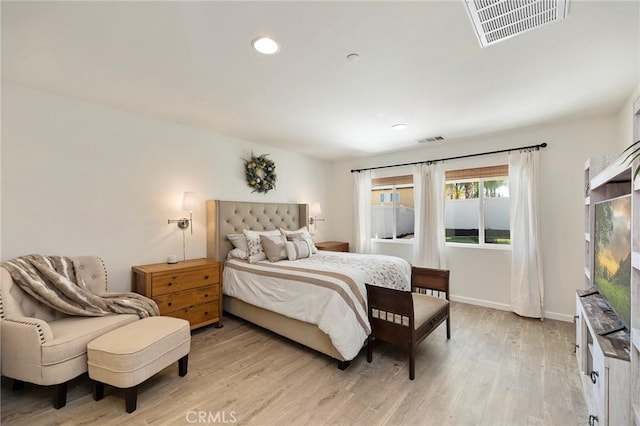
column 558, row 316
column 480, row 302
column 504, row 307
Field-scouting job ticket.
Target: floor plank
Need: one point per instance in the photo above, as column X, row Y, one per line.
column 497, row 369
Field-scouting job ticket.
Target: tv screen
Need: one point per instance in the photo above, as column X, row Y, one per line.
column 612, row 254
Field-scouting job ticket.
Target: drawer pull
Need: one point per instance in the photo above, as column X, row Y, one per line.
column 594, row 379
column 593, row 420
column 206, row 295
column 206, row 277
column 169, row 284
column 169, row 304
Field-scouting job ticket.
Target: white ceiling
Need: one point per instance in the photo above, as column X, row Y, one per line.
column 421, row 64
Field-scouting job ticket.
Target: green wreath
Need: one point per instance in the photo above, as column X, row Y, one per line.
column 260, row 173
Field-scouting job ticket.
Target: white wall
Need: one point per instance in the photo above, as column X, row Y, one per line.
column 625, row 120
column 80, row 178
column 481, row 276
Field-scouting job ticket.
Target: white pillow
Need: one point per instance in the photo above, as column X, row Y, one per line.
column 297, row 249
column 237, row 254
column 305, row 234
column 255, row 246
column 257, row 257
column 239, row 242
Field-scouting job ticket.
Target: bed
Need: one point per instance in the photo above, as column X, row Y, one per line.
column 255, row 292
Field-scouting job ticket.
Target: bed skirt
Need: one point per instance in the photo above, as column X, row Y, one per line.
column 299, row 331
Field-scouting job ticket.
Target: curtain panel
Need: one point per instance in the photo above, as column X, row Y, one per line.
column 429, row 197
column 527, row 286
column 362, row 212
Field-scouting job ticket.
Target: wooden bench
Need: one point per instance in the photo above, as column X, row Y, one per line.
column 406, row 318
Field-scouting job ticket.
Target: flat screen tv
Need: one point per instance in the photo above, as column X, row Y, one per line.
column 612, row 254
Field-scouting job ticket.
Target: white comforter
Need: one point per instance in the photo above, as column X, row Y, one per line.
column 327, row 289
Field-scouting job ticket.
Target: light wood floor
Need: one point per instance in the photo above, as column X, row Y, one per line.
column 497, row 369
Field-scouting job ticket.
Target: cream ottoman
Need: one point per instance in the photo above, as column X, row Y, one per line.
column 129, row 355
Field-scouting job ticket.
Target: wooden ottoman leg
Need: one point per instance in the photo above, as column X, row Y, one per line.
column 60, row 397
column 342, row 365
column 131, row 398
column 98, row 390
column 182, row 365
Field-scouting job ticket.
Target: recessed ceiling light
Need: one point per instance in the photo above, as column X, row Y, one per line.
column 265, row 45
column 353, row 57
column 399, row 126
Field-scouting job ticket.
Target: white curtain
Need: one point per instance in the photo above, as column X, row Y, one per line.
column 362, row 211
column 527, row 286
column 429, row 238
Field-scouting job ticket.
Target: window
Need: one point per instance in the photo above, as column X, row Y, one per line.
column 477, row 206
column 392, row 216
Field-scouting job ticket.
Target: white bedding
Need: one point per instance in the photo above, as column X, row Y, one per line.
column 327, row 289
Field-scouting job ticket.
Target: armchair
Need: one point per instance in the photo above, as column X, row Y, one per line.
column 42, row 346
column 406, row 318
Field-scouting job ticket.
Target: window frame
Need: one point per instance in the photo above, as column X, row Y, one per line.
column 392, row 183
column 482, row 244
column 483, row 174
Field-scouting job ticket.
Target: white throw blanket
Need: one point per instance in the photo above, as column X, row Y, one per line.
column 52, row 280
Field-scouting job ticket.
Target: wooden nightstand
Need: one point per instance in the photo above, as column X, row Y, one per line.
column 332, row 246
column 190, row 289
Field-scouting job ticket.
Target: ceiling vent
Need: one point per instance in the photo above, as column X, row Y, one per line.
column 497, row 20
column 432, row 139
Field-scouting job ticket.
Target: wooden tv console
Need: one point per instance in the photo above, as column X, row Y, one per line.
column 603, row 360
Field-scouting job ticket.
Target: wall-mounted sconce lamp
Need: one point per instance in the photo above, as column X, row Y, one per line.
column 189, row 203
column 314, row 211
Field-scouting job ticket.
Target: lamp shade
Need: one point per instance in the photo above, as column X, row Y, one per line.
column 315, row 209
column 190, row 202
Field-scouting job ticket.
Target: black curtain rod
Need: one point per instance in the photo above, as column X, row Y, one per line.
column 542, row 145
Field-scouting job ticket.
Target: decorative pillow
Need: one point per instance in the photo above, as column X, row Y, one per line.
column 305, row 234
column 237, row 254
column 297, row 249
column 274, row 247
column 239, row 241
column 295, row 236
column 257, row 257
column 254, row 244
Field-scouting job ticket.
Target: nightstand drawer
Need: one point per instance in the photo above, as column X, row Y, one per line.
column 187, row 299
column 177, row 281
column 201, row 314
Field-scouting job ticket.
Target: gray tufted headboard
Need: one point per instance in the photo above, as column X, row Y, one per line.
column 232, row 217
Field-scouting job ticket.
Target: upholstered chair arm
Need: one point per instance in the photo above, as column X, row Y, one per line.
column 22, row 338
